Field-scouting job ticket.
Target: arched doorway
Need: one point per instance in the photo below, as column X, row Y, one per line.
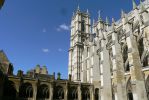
column 9, row 91
column 129, row 90
column 85, row 93
column 147, row 87
column 42, row 92
column 73, row 93
column 96, row 94
column 26, row 91
column 58, row 93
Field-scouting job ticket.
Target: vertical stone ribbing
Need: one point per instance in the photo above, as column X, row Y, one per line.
column 106, row 92
column 80, row 28
column 91, row 93
column 51, row 91
column 79, row 92
column 118, row 69
column 34, row 91
column 139, row 91
column 66, row 92
column 70, row 63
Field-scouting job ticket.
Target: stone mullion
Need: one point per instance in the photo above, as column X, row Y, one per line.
column 118, row 70
column 92, row 93
column 17, row 85
column 51, row 91
column 34, row 92
column 139, row 92
column 106, row 92
column 79, row 92
column 84, row 69
column 70, row 62
column 66, row 92
column 77, row 63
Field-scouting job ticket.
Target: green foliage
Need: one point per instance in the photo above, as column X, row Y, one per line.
column 58, row 76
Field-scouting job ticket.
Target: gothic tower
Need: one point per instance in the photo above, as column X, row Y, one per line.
column 80, row 29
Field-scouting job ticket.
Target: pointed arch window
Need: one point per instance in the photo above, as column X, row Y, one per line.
column 73, row 93
column 83, row 26
column 96, row 94
column 125, row 58
column 9, row 92
column 129, row 90
column 145, row 61
column 88, row 51
column 140, row 47
column 85, row 93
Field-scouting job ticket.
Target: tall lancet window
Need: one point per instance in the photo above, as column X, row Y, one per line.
column 145, row 61
column 83, row 26
column 87, row 51
column 97, row 32
column 141, row 47
column 125, row 58
column 129, row 90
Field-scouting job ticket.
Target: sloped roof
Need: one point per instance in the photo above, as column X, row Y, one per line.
column 3, row 57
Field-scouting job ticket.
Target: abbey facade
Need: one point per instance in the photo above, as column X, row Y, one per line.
column 114, row 58
column 106, row 62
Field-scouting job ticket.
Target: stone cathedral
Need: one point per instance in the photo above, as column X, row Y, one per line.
column 114, row 58
column 106, row 62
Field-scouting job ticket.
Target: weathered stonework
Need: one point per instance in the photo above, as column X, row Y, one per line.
column 116, row 55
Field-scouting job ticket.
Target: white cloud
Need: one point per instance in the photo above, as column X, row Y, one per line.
column 60, row 50
column 44, row 30
column 63, row 27
column 45, row 50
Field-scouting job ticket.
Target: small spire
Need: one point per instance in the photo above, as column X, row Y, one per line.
column 78, row 9
column 113, row 20
column 93, row 21
column 126, row 18
column 99, row 16
column 87, row 11
column 113, row 23
column 134, row 4
column 122, row 14
column 107, row 21
column 142, row 6
column 73, row 13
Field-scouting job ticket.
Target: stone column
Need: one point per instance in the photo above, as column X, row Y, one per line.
column 34, row 91
column 105, row 74
column 51, row 91
column 145, row 28
column 84, row 71
column 139, row 91
column 17, row 85
column 70, row 62
column 79, row 92
column 66, row 92
column 92, row 96
column 1, row 86
column 2, row 81
column 118, row 69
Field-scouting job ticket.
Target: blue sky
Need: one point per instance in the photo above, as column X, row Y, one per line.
column 37, row 31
